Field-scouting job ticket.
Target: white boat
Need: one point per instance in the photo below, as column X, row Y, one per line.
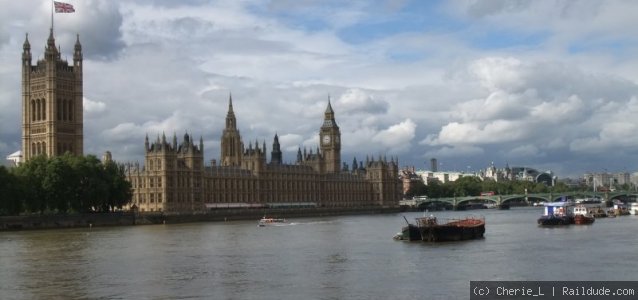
column 633, row 209
column 271, row 222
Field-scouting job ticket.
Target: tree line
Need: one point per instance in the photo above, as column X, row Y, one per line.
column 474, row 186
column 63, row 184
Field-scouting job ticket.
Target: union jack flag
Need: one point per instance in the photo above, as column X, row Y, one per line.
column 61, row 7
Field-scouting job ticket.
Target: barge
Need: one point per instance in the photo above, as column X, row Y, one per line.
column 430, row 229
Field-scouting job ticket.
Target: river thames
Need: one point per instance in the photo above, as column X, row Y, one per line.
column 345, row 257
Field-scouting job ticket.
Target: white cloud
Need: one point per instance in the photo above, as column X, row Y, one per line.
column 613, row 136
column 397, row 137
column 358, row 101
column 499, row 73
column 290, row 142
column 558, row 112
column 455, row 151
column 473, row 133
column 91, row 106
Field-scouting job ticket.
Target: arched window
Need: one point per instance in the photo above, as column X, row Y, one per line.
column 32, row 110
column 37, row 109
column 44, row 109
column 64, row 110
column 33, row 149
column 44, row 147
column 59, row 109
column 70, row 110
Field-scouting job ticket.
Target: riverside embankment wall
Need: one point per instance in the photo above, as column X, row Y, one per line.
column 129, row 218
column 66, row 221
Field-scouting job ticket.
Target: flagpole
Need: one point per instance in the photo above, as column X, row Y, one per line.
column 51, row 15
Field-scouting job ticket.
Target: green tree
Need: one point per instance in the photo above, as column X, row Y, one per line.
column 467, row 186
column 120, row 192
column 418, row 188
column 31, row 175
column 58, row 183
column 434, row 189
column 91, row 191
column 63, row 183
column 489, row 185
column 10, row 193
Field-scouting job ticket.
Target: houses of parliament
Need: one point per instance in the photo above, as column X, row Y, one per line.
column 174, row 176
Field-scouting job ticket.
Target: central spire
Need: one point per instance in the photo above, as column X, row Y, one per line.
column 51, row 53
column 230, row 116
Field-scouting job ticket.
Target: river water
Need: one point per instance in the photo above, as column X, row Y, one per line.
column 345, row 257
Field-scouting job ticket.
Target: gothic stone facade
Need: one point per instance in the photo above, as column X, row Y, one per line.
column 175, row 179
column 52, row 115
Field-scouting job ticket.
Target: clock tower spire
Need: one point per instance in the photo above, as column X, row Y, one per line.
column 330, row 140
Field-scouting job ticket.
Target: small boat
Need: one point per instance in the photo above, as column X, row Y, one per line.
column 598, row 212
column 429, row 229
column 620, row 209
column 557, row 213
column 582, row 215
column 271, row 222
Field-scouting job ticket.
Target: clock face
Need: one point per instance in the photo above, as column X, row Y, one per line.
column 326, row 139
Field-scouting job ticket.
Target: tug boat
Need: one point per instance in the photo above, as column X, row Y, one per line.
column 582, row 216
column 429, row 229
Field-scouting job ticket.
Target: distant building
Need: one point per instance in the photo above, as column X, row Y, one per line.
column 434, row 165
column 605, row 180
column 408, row 178
column 491, row 173
column 175, row 179
column 15, row 158
column 518, row 173
column 442, row 177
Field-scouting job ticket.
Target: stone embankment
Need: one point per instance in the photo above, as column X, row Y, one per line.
column 129, row 218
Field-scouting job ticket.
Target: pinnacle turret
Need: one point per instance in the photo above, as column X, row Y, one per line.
column 26, row 46
column 77, row 54
column 26, row 54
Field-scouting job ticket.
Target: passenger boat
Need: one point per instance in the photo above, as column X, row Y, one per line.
column 429, row 229
column 271, row 222
column 582, row 215
column 557, row 213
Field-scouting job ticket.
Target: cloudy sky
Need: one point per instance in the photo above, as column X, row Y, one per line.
column 546, row 84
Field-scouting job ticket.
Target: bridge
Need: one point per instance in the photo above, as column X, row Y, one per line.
column 455, row 202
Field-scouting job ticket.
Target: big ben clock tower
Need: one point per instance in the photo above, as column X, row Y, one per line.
column 330, row 140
